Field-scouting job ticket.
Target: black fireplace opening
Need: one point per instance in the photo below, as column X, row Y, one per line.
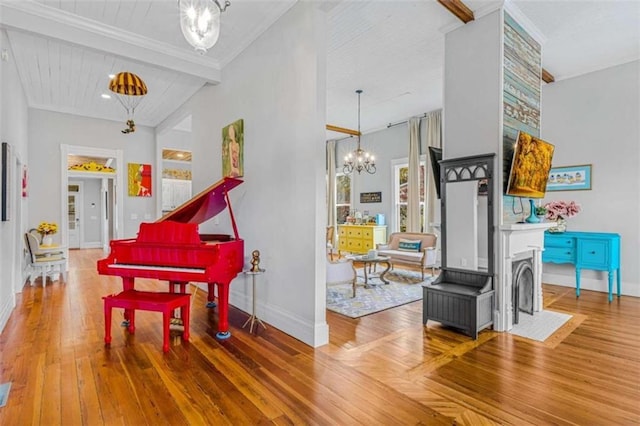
column 522, row 288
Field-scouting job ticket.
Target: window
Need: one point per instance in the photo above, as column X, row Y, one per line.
column 401, row 177
column 343, row 197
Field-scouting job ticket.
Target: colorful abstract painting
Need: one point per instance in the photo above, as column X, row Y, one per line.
column 139, row 180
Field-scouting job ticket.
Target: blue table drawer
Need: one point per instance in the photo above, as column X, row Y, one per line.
column 559, row 241
column 594, row 253
column 558, row 254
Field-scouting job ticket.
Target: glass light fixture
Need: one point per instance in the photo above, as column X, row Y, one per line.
column 200, row 22
column 359, row 159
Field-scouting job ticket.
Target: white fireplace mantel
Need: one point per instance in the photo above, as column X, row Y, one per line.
column 517, row 240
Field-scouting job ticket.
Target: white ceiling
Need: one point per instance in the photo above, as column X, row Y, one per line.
column 393, row 50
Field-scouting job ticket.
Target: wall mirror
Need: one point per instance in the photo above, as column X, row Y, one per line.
column 467, row 199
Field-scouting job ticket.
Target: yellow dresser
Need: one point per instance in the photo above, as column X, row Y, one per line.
column 360, row 238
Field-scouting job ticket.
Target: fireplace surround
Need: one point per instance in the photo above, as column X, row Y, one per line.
column 520, row 242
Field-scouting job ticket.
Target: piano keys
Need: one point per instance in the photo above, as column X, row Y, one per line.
column 171, row 249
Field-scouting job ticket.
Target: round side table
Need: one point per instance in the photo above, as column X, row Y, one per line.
column 254, row 318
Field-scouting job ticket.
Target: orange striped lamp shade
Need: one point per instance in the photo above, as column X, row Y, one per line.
column 127, row 83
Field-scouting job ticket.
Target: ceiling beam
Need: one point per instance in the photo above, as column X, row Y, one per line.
column 547, row 77
column 343, row 130
column 459, row 9
column 49, row 22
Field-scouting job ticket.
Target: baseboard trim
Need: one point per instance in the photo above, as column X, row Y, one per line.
column 280, row 318
column 5, row 311
column 627, row 288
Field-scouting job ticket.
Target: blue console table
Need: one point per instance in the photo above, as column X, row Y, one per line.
column 586, row 250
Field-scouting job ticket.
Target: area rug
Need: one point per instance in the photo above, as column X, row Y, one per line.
column 378, row 297
column 539, row 326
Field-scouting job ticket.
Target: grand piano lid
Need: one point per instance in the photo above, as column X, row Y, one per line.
column 205, row 205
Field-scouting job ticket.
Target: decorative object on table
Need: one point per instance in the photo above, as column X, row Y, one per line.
column 200, row 22
column 233, row 149
column 541, row 212
column 359, row 159
column 559, row 212
column 47, row 229
column 129, row 89
column 533, row 217
column 6, row 181
column 139, row 180
column 255, row 261
column 571, row 178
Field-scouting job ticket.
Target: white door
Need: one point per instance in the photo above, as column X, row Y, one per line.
column 74, row 208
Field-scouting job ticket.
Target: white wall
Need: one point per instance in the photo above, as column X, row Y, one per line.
column 277, row 85
column 13, row 129
column 48, row 130
column 594, row 119
column 473, row 88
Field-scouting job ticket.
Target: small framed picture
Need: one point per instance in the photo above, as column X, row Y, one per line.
column 569, row 178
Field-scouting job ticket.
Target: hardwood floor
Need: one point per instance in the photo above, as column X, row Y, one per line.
column 381, row 369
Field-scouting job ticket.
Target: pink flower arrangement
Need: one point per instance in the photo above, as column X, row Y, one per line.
column 562, row 209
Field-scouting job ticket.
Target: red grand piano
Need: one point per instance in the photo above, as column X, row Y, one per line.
column 171, row 249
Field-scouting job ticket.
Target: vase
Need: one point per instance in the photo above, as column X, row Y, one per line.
column 532, row 216
column 561, row 226
column 47, row 240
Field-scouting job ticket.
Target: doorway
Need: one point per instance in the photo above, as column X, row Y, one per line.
column 108, row 181
column 74, row 208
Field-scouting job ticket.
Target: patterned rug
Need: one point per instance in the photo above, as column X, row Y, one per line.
column 404, row 287
column 539, row 326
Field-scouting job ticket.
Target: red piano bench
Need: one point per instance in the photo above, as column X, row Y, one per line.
column 132, row 300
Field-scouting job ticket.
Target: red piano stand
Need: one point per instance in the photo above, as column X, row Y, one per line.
column 132, row 300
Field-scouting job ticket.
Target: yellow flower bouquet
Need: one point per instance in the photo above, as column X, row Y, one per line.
column 46, row 228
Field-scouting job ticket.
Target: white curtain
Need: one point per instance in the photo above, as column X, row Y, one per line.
column 413, row 183
column 433, row 131
column 331, row 186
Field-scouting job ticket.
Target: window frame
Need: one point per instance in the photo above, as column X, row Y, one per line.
column 396, row 165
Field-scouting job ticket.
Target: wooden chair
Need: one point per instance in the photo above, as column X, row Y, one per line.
column 44, row 263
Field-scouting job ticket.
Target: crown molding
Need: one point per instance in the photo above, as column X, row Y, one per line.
column 36, row 18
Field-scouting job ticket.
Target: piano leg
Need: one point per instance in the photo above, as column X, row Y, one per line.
column 211, row 297
column 223, row 311
column 128, row 283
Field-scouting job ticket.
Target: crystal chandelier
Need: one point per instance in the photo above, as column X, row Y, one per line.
column 200, row 22
column 359, row 159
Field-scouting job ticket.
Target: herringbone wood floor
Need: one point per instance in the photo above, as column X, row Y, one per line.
column 382, row 369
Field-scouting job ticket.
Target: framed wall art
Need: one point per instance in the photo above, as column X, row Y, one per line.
column 233, row 149
column 569, row 178
column 139, row 180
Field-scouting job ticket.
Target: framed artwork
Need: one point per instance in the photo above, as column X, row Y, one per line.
column 529, row 167
column 233, row 149
column 25, row 182
column 139, row 180
column 6, row 181
column 569, row 178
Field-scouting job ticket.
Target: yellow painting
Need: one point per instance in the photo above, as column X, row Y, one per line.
column 530, row 167
column 233, row 149
column 139, row 180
